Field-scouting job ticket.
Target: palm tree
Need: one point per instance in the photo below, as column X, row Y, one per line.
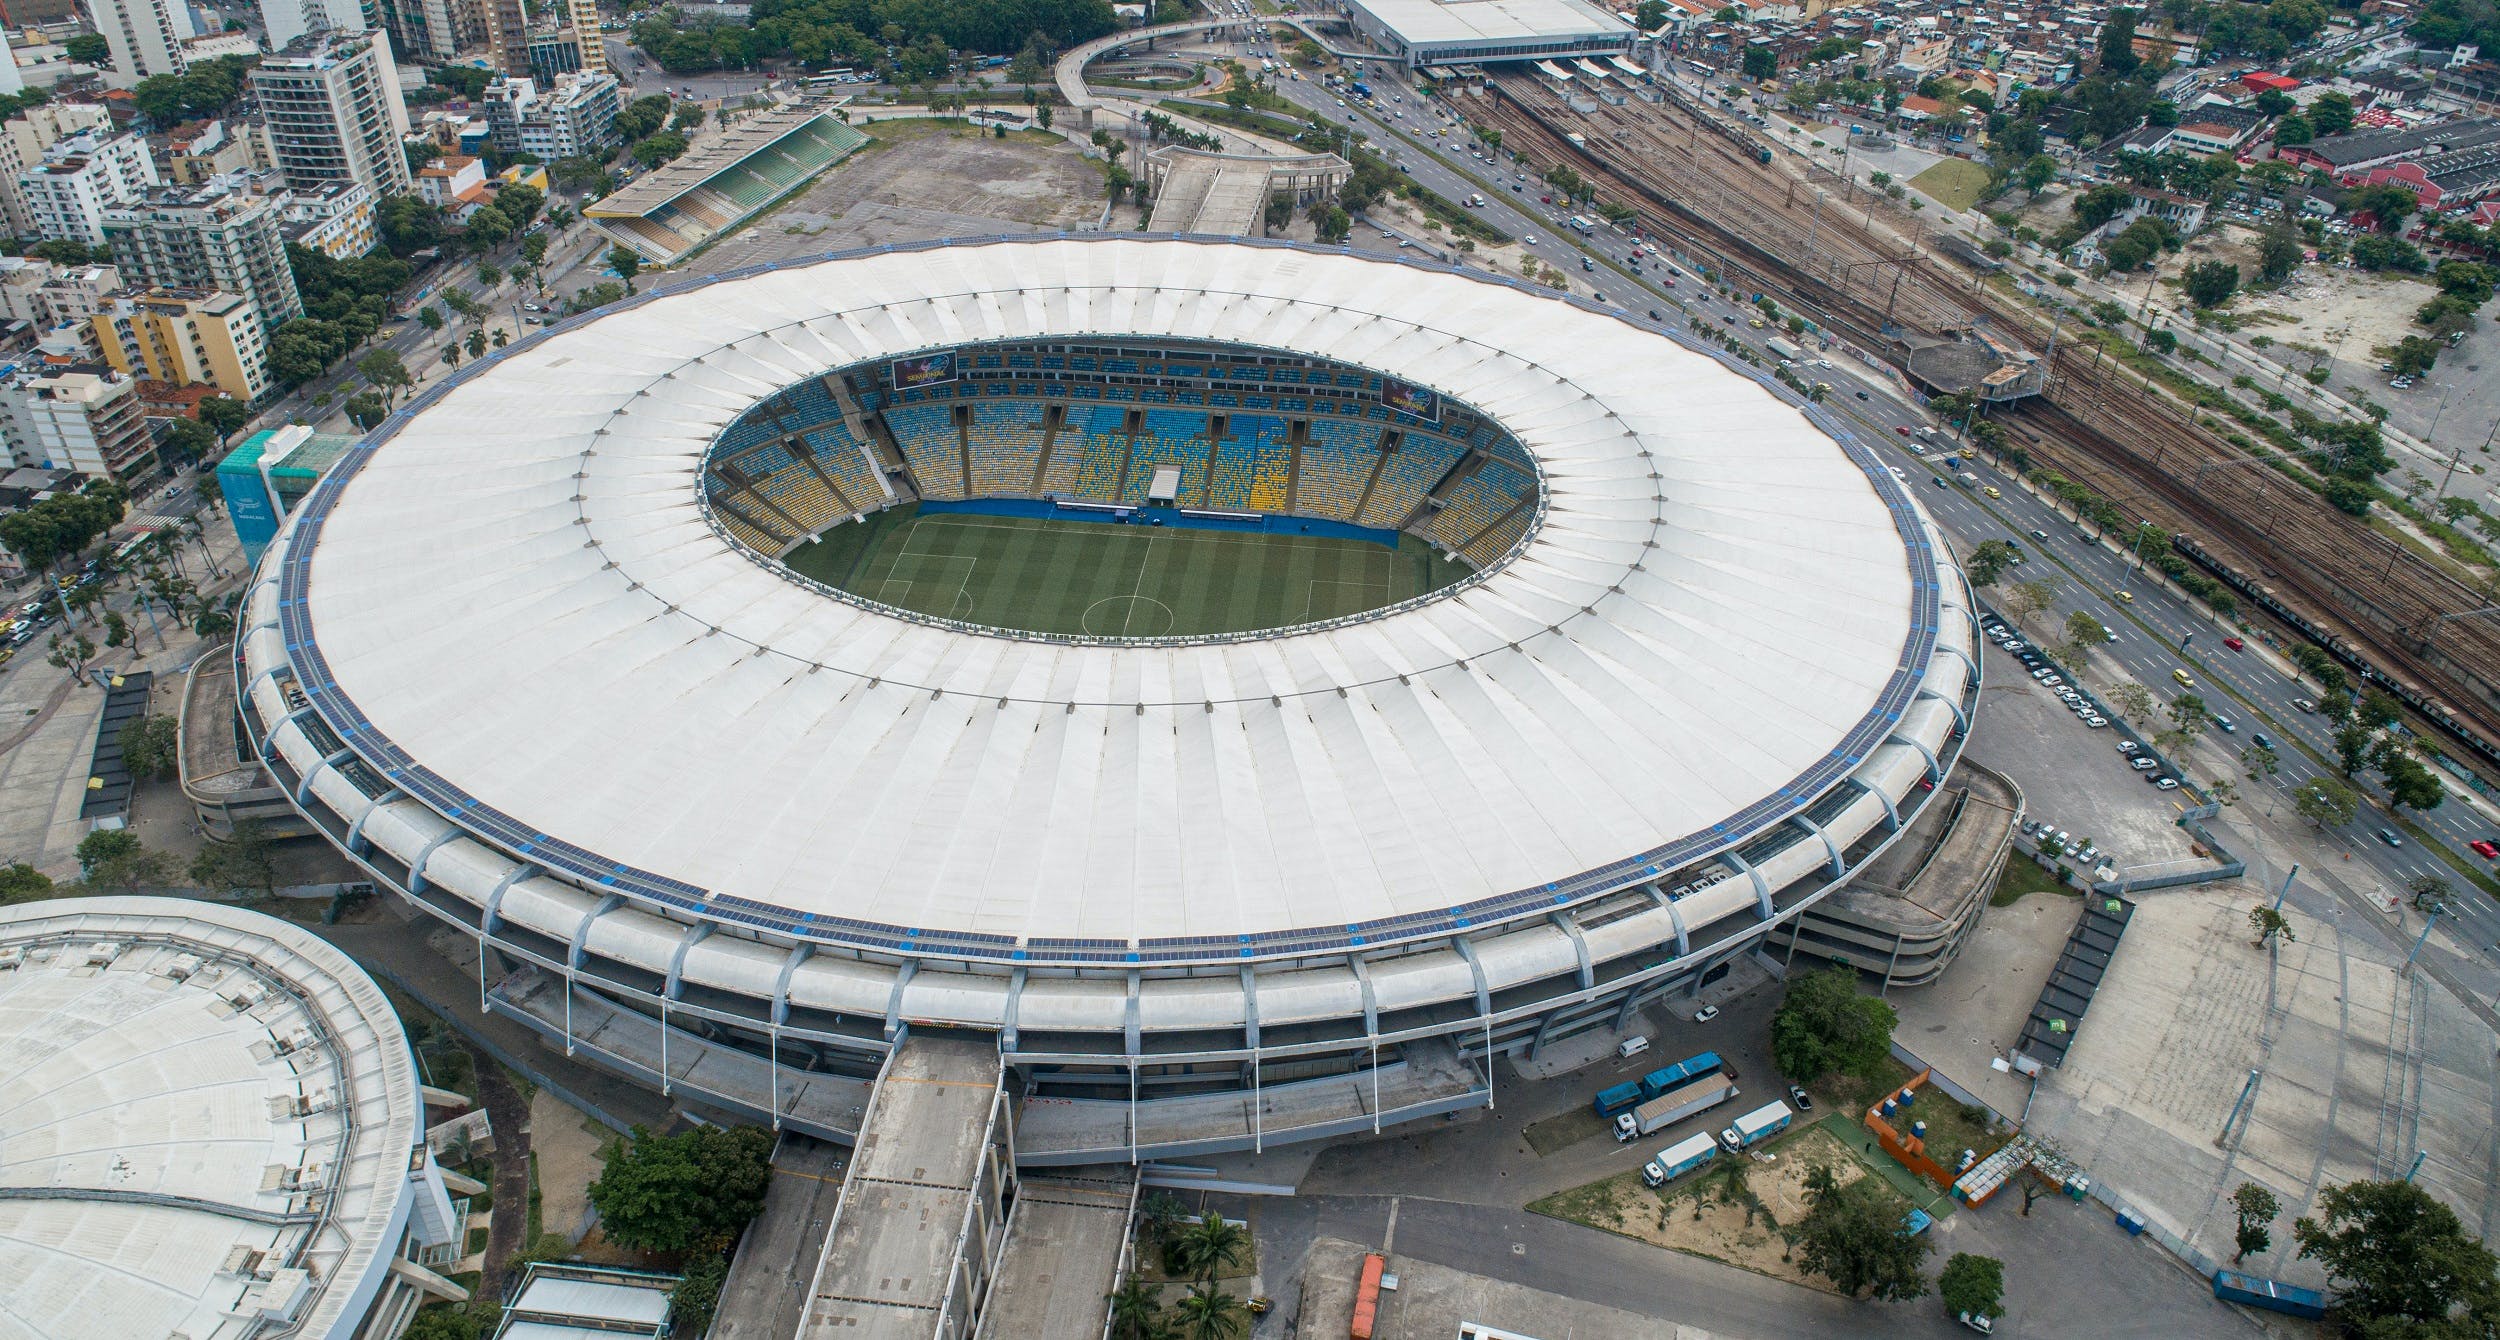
column 1136, row 1314
column 1209, row 1313
column 1210, row 1245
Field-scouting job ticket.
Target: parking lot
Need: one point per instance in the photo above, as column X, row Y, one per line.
column 2074, row 777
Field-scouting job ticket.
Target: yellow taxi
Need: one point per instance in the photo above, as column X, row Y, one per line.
column 2126, row 597
column 2182, row 676
column 1991, row 491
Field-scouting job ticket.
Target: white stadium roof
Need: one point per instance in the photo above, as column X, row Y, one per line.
column 516, row 609
column 208, row 1119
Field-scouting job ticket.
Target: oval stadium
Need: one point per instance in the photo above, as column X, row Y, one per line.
column 1188, row 667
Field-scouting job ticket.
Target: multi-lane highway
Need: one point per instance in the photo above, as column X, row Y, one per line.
column 2158, row 632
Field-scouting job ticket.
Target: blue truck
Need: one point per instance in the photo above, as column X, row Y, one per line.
column 1361, row 89
column 1625, row 1097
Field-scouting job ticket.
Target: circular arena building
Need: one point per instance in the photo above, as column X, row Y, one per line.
column 213, row 1130
column 1193, row 666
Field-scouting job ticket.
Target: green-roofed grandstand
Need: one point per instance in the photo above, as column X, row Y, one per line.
column 679, row 207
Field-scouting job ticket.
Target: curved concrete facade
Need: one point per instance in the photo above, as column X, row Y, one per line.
column 1115, row 1058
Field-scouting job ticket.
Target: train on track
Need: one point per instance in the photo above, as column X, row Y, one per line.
column 2341, row 648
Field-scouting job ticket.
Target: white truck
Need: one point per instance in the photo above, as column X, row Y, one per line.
column 1678, row 1159
column 1757, row 1125
column 1784, row 349
column 1699, row 1094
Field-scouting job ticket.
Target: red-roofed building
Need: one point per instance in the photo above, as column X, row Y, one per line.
column 1918, row 108
column 2260, row 81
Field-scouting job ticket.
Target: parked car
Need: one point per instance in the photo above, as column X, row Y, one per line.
column 1705, row 1014
column 1800, row 1099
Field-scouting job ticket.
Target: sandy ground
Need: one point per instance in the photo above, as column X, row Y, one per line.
column 567, row 1144
column 2322, row 303
column 1689, row 1216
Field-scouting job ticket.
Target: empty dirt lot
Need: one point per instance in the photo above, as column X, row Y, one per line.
column 923, row 179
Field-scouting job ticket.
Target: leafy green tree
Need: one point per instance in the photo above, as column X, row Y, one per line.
column 475, row 344
column 653, row 150
column 2387, row 206
column 2211, row 283
column 1988, row 561
column 2410, row 782
column 2254, row 1207
column 22, row 883
column 1972, row 1284
column 88, row 48
column 2279, row 251
column 2118, row 42
column 2400, row 1262
column 669, row 1193
column 151, row 746
column 1853, row 1236
column 2352, row 747
column 2294, row 130
column 224, row 414
column 383, row 368
column 242, row 862
column 443, row 1321
column 1824, row 1025
column 2038, row 171
column 187, row 440
column 2327, row 803
column 114, row 858
column 2270, row 925
column 627, row 263
column 697, row 1297
column 1760, row 62
column 2415, row 355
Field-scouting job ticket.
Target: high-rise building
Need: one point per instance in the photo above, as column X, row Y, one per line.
column 507, row 27
column 84, row 418
column 144, row 36
column 286, row 20
column 66, row 195
column 576, row 116
column 585, row 18
column 23, row 139
column 436, row 29
column 44, row 295
column 216, row 237
column 188, row 337
column 334, row 113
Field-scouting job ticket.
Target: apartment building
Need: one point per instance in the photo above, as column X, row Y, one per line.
column 334, row 113
column 216, row 236
column 574, row 117
column 79, row 178
column 85, row 418
column 188, row 337
column 145, row 38
column 23, row 140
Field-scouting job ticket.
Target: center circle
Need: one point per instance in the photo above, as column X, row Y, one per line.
column 1121, row 489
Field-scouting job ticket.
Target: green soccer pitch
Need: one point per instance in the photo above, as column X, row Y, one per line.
column 1077, row 577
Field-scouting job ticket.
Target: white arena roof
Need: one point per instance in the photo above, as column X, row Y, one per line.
column 206, row 1124
column 513, row 606
column 1479, row 22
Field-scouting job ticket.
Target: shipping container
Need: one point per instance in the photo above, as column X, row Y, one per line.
column 1620, row 1098
column 1784, row 349
column 2233, row 1287
column 1698, row 1094
column 1367, row 1297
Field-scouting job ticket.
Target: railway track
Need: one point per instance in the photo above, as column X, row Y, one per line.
column 2136, row 446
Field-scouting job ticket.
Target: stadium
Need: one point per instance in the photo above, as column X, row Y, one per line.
column 1248, row 685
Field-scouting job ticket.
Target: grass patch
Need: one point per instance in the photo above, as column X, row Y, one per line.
column 1088, row 578
column 1955, row 183
column 1565, row 1129
column 1951, row 1126
column 1853, row 1094
column 2024, row 876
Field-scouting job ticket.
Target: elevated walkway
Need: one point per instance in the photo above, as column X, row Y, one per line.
column 916, row 1235
column 1070, row 72
column 1065, row 1243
